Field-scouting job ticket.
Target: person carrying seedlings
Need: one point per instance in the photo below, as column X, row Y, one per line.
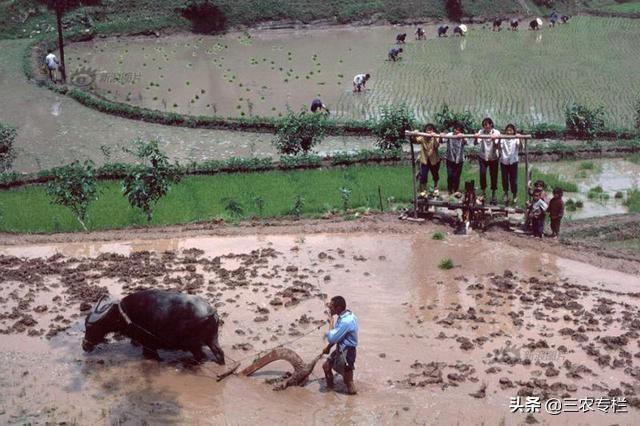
column 318, row 106
column 429, row 159
column 52, row 64
column 360, row 81
column 344, row 334
column 454, row 158
column 488, row 157
column 556, row 211
column 538, row 208
column 394, row 53
column 509, row 164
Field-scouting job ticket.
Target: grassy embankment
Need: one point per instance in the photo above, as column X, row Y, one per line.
column 199, row 198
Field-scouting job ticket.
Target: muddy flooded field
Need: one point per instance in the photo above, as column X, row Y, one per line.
column 603, row 184
column 436, row 346
column 264, row 72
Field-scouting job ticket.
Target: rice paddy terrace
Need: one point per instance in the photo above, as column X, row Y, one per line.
column 527, row 77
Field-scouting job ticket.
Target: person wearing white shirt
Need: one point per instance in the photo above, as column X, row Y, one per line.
column 52, row 63
column 509, row 164
column 360, row 81
column 488, row 157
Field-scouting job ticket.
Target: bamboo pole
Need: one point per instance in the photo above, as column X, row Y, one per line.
column 465, row 135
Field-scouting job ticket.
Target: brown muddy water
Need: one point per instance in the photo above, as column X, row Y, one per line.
column 503, row 322
column 612, row 175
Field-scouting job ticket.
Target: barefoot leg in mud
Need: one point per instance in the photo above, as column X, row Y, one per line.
column 328, row 374
column 348, row 381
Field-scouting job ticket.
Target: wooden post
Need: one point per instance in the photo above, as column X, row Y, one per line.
column 413, row 179
column 526, row 170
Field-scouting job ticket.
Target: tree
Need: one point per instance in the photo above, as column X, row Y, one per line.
column 454, row 10
column 446, row 118
column 7, row 152
column 74, row 186
column 298, row 133
column 205, row 17
column 60, row 7
column 390, row 128
column 150, row 180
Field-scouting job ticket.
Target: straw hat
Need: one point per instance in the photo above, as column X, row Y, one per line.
column 539, row 21
column 463, row 27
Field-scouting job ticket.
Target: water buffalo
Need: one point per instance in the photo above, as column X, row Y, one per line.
column 157, row 319
column 442, row 30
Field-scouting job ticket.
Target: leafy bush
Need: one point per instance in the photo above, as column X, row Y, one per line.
column 570, row 205
column 446, row 264
column 633, row 201
column 74, row 186
column 205, row 17
column 150, row 180
column 439, row 236
column 298, row 205
column 7, row 152
column 390, row 128
column 345, row 194
column 298, row 133
column 584, row 121
column 619, row 195
column 446, row 118
column 233, row 207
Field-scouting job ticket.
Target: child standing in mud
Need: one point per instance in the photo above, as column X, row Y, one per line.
column 343, row 334
column 538, row 208
column 556, row 211
column 455, row 159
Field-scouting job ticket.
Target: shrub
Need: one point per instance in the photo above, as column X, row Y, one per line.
column 439, row 236
column 446, row 118
column 345, row 194
column 7, row 152
column 390, row 128
column 584, row 121
column 298, row 133
column 570, row 205
column 579, row 204
column 446, row 264
column 74, row 186
column 205, row 17
column 150, row 180
column 633, row 201
column 298, row 205
column 619, row 195
column 233, row 207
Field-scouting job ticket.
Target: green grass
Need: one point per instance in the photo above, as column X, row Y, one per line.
column 198, row 198
column 633, row 201
column 446, row 264
column 634, row 158
column 439, row 236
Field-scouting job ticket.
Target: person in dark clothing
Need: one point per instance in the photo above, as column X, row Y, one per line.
column 394, row 53
column 318, row 106
column 556, row 211
column 537, row 213
column 420, row 34
column 442, row 30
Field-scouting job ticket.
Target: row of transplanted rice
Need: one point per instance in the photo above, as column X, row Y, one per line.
column 527, row 76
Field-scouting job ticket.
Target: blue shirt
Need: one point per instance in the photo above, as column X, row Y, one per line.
column 345, row 331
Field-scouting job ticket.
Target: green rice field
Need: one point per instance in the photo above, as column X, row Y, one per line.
column 526, row 77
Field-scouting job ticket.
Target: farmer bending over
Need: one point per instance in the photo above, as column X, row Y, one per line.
column 344, row 334
column 318, row 106
column 360, row 81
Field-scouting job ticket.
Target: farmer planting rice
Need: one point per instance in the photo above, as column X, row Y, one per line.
column 460, row 30
column 514, row 23
column 401, row 38
column 535, row 24
column 318, row 106
column 420, row 34
column 442, row 30
column 394, row 53
column 360, row 82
